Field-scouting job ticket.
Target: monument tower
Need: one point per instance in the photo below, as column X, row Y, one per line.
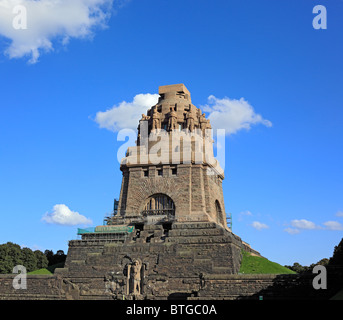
column 171, row 173
column 168, row 231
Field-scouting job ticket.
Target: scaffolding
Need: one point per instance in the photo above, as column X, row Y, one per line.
column 103, row 234
column 105, row 229
column 109, row 217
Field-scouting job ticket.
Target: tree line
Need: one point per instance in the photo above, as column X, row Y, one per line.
column 12, row 254
column 335, row 260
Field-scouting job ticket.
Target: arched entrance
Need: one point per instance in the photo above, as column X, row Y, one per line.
column 159, row 204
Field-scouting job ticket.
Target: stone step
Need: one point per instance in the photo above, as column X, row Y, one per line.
column 195, row 232
column 198, row 239
column 194, row 225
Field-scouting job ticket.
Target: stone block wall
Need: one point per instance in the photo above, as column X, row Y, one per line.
column 37, row 287
column 88, row 286
column 193, row 190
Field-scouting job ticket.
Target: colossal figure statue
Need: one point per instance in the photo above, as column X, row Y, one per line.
column 172, row 124
column 155, row 120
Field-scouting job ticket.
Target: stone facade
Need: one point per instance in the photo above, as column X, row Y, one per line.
column 171, row 220
column 193, row 190
column 170, row 257
column 90, row 286
column 173, row 157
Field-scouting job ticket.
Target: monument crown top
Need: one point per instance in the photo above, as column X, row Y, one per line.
column 174, row 88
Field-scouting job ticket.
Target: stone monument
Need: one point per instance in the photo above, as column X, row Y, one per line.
column 169, row 231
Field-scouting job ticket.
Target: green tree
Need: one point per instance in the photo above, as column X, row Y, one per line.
column 58, row 257
column 10, row 256
column 29, row 259
column 323, row 262
column 50, row 256
column 42, row 260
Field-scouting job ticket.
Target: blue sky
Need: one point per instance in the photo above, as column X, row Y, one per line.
column 283, row 171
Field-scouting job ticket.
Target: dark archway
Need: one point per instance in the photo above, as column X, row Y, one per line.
column 219, row 213
column 159, row 204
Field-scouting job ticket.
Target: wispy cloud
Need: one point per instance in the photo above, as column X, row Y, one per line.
column 62, row 215
column 243, row 214
column 232, row 115
column 259, row 225
column 339, row 214
column 49, row 21
column 333, row 225
column 303, row 224
column 292, row 230
column 300, row 225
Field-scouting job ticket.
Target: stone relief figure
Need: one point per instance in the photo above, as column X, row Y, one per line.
column 110, row 284
column 144, row 117
column 136, row 274
column 134, row 277
column 172, row 124
column 190, row 121
column 156, row 123
column 203, row 124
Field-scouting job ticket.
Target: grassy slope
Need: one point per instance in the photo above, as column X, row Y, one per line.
column 48, row 270
column 250, row 264
column 258, row 265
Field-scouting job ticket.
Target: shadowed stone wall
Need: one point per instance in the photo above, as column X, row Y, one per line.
column 209, row 287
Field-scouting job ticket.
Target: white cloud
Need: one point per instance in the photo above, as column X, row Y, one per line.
column 246, row 213
column 292, row 230
column 126, row 115
column 339, row 214
column 243, row 214
column 232, row 115
column 303, row 224
column 333, row 225
column 259, row 226
column 48, row 21
column 62, row 215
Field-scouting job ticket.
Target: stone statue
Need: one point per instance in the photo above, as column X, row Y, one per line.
column 208, row 129
column 144, row 117
column 136, row 274
column 155, row 120
column 172, row 125
column 190, row 121
column 203, row 124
